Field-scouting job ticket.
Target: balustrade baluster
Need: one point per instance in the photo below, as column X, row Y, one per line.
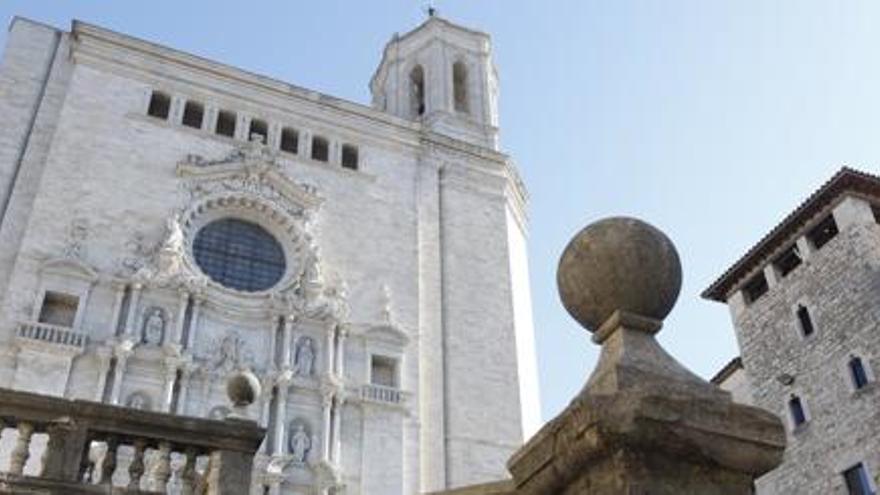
column 162, row 470
column 20, row 453
column 136, row 469
column 108, row 466
column 188, row 478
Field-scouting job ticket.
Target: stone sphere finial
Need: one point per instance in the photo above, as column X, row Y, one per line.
column 618, row 264
column 243, row 388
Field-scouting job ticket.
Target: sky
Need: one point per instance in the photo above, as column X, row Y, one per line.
column 710, row 120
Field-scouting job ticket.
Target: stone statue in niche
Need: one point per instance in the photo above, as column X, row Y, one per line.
column 304, row 357
column 139, row 401
column 300, row 444
column 154, row 326
column 219, row 412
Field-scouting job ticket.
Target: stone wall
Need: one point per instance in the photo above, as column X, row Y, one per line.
column 839, row 285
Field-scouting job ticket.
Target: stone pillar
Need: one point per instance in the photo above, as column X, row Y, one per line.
column 273, row 344
column 117, row 306
column 287, row 342
column 329, row 352
column 131, row 326
column 326, row 415
column 643, row 423
column 342, row 333
column 171, row 365
column 177, row 338
column 185, row 382
column 194, row 323
column 283, row 384
column 122, row 355
column 103, row 355
column 337, row 423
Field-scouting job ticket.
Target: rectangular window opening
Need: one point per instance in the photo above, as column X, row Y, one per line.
column 858, row 373
column 59, row 309
column 289, row 140
column 823, row 232
column 320, row 149
column 193, row 114
column 383, row 371
column 350, row 157
column 160, row 105
column 857, row 481
column 797, row 411
column 226, row 123
column 756, row 287
column 805, row 321
column 259, row 131
column 786, row 262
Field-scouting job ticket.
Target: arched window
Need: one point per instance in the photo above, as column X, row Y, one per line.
column 417, row 91
column 796, row 408
column 460, row 86
column 857, row 372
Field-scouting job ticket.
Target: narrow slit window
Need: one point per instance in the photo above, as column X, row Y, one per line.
column 350, row 157
column 289, row 140
column 59, row 309
column 756, row 287
column 320, row 149
column 417, row 91
column 786, row 262
column 796, row 408
column 857, row 372
column 805, row 322
column 823, row 232
column 160, row 105
column 226, row 123
column 259, row 131
column 460, row 86
column 857, row 480
column 193, row 114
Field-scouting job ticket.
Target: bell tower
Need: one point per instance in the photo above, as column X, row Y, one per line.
column 442, row 75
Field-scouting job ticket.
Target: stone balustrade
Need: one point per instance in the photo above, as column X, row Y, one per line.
column 51, row 334
column 382, row 394
column 210, row 456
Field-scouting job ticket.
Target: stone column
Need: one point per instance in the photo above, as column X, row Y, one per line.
column 273, row 344
column 122, row 356
column 103, row 355
column 337, row 436
column 326, row 415
column 171, row 366
column 177, row 338
column 643, row 423
column 131, row 326
column 342, row 333
column 185, row 382
column 287, row 342
column 194, row 322
column 283, row 384
column 117, row 306
column 330, row 352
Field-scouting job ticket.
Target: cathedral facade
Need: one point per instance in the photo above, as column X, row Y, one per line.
column 167, row 220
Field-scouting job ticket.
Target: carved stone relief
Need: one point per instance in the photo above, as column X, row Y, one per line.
column 229, row 354
column 75, row 241
column 139, row 400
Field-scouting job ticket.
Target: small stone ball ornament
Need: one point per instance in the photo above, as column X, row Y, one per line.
column 243, row 388
column 615, row 264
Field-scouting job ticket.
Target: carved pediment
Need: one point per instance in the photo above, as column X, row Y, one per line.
column 251, row 168
column 71, row 267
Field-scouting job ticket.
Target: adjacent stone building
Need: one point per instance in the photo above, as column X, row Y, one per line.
column 166, row 220
column 805, row 304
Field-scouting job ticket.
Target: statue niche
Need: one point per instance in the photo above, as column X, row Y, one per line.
column 300, row 443
column 153, row 332
column 304, row 357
